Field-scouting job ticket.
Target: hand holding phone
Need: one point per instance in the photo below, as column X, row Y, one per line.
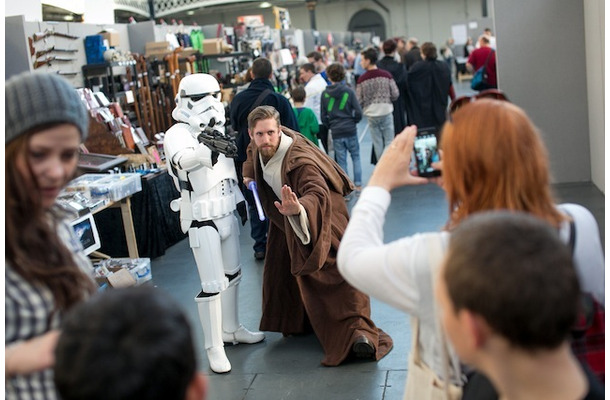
column 392, row 169
column 426, row 152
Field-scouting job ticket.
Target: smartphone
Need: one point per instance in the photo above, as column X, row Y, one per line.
column 426, row 152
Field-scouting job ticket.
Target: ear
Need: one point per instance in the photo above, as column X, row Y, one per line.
column 476, row 327
column 250, row 134
column 197, row 389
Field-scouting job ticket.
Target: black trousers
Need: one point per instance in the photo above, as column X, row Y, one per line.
column 323, row 136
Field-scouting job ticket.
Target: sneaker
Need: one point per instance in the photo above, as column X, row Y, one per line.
column 259, row 255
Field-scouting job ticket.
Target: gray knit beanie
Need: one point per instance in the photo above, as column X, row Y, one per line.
column 34, row 99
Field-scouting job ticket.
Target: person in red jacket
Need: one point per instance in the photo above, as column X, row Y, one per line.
column 477, row 59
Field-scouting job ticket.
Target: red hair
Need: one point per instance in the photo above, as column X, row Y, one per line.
column 494, row 158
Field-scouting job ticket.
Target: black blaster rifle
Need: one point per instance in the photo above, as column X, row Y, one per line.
column 218, row 141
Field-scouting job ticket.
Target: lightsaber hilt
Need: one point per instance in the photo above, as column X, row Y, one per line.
column 257, row 200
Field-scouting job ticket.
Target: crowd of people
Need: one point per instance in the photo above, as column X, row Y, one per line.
column 494, row 295
column 397, row 83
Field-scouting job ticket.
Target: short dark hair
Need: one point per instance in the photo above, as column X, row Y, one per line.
column 513, row 270
column 131, row 343
column 428, row 49
column 308, row 67
column 389, row 46
column 261, row 113
column 371, row 54
column 261, row 68
column 335, row 72
column 298, row 94
column 317, row 56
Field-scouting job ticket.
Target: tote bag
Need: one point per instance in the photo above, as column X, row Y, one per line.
column 479, row 79
column 422, row 382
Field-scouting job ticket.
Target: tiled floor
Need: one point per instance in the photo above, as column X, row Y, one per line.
column 289, row 368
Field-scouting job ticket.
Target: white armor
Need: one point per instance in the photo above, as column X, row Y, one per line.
column 209, row 197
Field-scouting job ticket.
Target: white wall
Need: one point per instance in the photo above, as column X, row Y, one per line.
column 31, row 9
column 99, row 12
column 594, row 48
column 95, row 12
column 541, row 65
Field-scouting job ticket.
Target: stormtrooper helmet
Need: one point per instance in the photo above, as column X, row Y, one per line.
column 198, row 102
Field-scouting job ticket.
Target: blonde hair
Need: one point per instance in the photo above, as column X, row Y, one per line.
column 494, row 158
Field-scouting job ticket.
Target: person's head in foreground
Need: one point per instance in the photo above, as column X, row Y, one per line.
column 131, row 343
column 509, row 296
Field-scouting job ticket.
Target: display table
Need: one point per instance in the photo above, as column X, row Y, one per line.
column 128, row 228
column 156, row 226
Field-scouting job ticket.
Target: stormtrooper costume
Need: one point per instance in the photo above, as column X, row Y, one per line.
column 209, row 196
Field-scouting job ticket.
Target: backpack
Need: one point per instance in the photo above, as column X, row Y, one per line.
column 589, row 333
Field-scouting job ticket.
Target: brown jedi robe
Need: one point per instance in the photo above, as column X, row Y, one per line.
column 302, row 287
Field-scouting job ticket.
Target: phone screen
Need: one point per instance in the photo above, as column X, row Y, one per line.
column 426, row 153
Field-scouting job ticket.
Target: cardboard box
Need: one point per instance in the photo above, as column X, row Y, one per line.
column 212, row 46
column 157, row 49
column 123, row 272
column 114, row 40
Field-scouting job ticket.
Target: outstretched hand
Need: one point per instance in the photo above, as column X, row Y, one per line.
column 290, row 203
column 392, row 170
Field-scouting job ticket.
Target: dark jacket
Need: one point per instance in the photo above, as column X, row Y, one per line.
column 411, row 57
column 340, row 110
column 399, row 72
column 429, row 86
column 242, row 104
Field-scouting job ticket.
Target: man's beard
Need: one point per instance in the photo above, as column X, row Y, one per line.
column 267, row 152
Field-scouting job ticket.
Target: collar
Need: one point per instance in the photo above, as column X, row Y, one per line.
column 261, row 82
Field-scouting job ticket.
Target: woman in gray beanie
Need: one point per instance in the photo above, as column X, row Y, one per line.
column 46, row 272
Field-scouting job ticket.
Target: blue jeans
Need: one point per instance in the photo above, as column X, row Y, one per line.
column 382, row 132
column 342, row 146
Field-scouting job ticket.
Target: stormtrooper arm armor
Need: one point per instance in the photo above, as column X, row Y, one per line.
column 189, row 158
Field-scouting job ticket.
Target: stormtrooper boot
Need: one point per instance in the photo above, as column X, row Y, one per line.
column 232, row 331
column 211, row 321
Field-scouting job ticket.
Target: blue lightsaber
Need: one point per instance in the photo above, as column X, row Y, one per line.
column 257, row 200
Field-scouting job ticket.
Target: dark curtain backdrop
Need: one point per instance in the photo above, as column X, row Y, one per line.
column 157, row 227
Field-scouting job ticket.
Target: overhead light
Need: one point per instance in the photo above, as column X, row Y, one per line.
column 69, row 17
column 190, row 12
column 265, row 4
